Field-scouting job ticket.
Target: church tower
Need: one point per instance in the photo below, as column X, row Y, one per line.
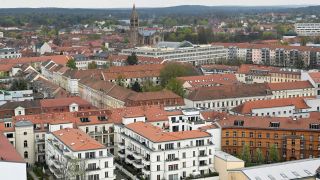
column 134, row 26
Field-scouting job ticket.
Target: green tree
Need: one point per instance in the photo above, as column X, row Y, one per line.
column 132, row 59
column 136, row 87
column 92, row 65
column 120, row 80
column 19, row 84
column 274, row 154
column 173, row 70
column 259, row 157
column 71, row 64
column 176, row 86
column 148, row 86
column 245, row 155
column 303, row 41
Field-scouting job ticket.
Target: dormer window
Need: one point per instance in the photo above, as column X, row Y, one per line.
column 314, row 126
column 274, row 124
column 238, row 123
column 84, row 119
column 102, row 118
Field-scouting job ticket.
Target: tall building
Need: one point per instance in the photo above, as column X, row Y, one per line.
column 134, row 26
column 307, row 29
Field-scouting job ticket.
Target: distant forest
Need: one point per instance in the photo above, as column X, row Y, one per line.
column 63, row 17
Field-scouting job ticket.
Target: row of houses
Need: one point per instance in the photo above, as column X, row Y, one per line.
column 158, row 143
column 275, row 55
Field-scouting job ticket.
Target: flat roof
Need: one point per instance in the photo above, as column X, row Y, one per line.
column 287, row 170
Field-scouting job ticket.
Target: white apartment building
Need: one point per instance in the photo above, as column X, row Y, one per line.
column 314, row 79
column 72, row 154
column 297, row 107
column 166, row 155
column 223, row 98
column 307, row 29
column 182, row 52
column 9, row 53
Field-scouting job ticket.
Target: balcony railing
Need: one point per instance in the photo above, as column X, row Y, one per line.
column 172, row 159
column 93, row 169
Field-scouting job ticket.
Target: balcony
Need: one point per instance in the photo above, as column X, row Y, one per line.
column 93, row 169
column 129, row 150
column 138, row 164
column 137, row 155
column 121, row 145
column 57, row 173
column 122, row 154
column 146, row 170
column 173, row 159
column 146, row 161
column 130, row 159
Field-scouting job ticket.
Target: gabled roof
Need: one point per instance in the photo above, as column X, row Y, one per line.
column 247, row 107
column 290, row 85
column 7, row 152
column 60, row 102
column 229, row 91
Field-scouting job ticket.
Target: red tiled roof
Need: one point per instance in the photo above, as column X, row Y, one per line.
column 247, row 107
column 289, row 85
column 77, row 140
column 59, row 59
column 255, row 122
column 145, row 96
column 45, row 103
column 156, row 134
column 8, row 152
column 315, row 76
column 213, row 79
column 229, row 91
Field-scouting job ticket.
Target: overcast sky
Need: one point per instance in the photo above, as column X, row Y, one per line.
column 145, row 3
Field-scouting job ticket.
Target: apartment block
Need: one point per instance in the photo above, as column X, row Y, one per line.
column 182, row 52
column 166, row 155
column 72, row 154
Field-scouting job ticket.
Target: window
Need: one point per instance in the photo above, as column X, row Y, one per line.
column 25, row 133
column 234, row 133
column 25, row 154
column 243, row 134
column 259, row 135
column 158, row 167
column 79, row 155
column 276, row 136
column 93, row 177
column 100, row 153
column 251, row 134
column 227, row 134
column 238, row 123
column 90, row 155
column 158, row 158
column 158, row 177
column 92, row 166
column 106, row 164
column 200, row 143
column 106, row 174
column 25, row 144
column 268, row 135
column 168, row 146
column 314, row 126
column 234, row 142
column 274, row 124
column 184, row 155
column 173, row 167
